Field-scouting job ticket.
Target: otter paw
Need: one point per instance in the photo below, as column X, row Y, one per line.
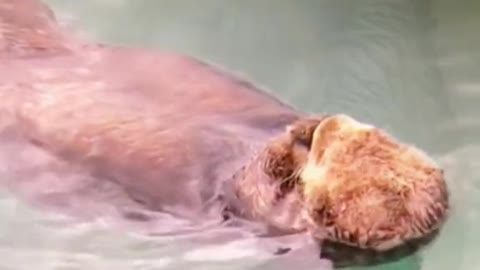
column 287, row 153
column 302, row 130
column 279, row 162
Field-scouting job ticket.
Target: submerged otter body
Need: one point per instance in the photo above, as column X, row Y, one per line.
column 161, row 132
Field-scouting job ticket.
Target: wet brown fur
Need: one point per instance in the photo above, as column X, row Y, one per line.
column 380, row 199
column 378, row 190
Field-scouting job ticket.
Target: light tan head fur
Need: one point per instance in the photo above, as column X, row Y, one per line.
column 368, row 190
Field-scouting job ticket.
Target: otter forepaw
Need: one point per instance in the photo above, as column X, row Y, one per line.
column 283, row 155
column 279, row 162
column 302, row 130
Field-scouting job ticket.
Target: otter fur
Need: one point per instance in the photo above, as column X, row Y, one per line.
column 172, row 134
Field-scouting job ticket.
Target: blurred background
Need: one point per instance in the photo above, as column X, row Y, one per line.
column 410, row 67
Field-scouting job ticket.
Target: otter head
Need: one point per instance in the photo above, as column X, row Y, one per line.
column 362, row 188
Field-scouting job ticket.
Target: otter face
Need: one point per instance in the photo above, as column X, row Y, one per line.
column 366, row 190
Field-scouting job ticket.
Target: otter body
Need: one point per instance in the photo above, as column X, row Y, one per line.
column 87, row 127
column 169, row 137
column 165, row 129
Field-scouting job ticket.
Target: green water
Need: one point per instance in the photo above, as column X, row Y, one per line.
column 411, row 67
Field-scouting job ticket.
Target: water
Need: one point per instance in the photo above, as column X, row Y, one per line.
column 411, row 67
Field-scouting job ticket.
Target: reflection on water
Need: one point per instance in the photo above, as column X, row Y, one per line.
column 411, row 67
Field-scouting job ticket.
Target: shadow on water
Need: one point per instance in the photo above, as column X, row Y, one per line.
column 411, row 67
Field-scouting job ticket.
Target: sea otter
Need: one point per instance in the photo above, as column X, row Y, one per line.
column 172, row 134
